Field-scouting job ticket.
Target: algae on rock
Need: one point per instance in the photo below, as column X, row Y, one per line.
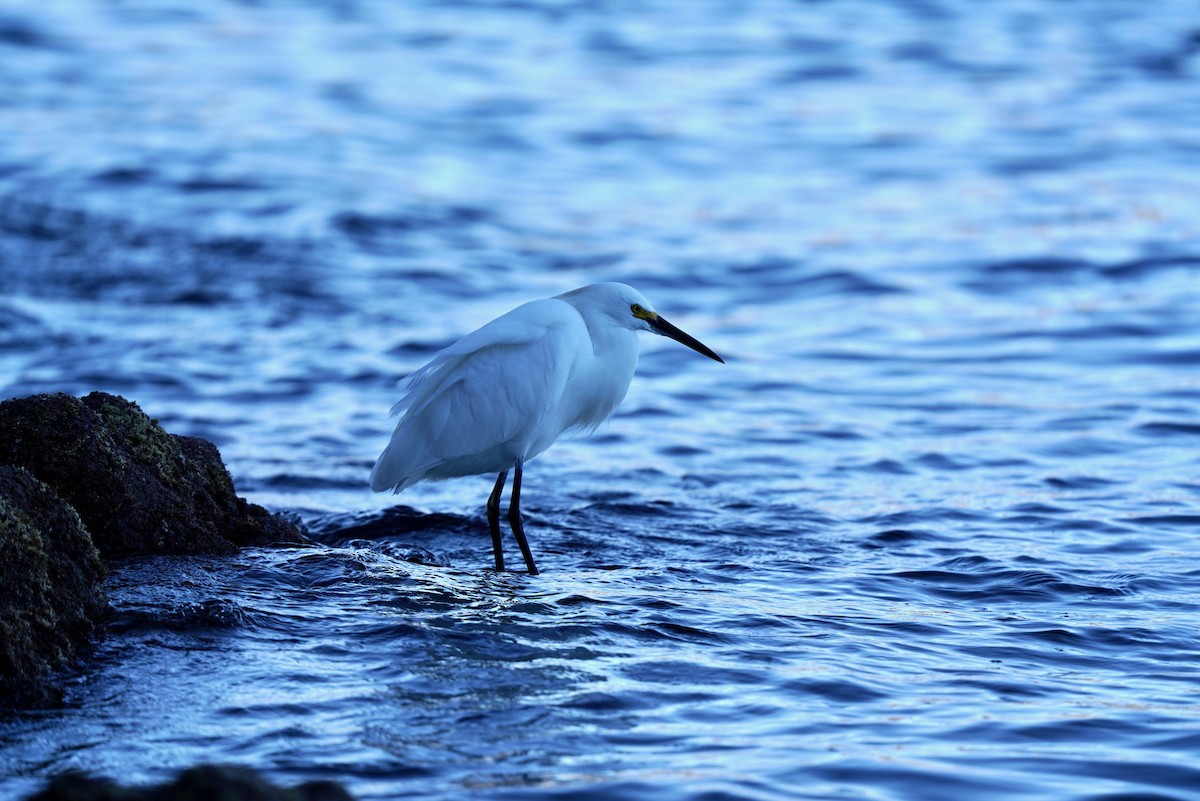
column 138, row 489
column 51, row 601
column 91, row 478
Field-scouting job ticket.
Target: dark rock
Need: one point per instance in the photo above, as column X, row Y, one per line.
column 51, row 601
column 204, row 783
column 138, row 489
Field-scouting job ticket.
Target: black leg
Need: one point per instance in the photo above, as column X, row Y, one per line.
column 493, row 513
column 514, row 519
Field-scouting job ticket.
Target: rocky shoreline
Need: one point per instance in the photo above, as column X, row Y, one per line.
column 85, row 480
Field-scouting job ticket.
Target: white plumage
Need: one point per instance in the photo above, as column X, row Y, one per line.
column 504, row 393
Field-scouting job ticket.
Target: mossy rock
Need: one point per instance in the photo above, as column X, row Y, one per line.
column 51, row 601
column 138, row 489
column 203, row 783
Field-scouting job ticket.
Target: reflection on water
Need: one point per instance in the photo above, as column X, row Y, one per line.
column 927, row 535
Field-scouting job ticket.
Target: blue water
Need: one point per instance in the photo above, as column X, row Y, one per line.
column 930, row 534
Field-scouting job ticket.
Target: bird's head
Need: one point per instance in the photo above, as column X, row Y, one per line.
column 628, row 308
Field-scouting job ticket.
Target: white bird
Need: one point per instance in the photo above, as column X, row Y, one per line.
column 504, row 393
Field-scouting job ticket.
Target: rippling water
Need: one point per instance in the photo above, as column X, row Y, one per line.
column 930, row 534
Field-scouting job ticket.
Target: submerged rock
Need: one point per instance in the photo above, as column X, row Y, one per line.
column 138, row 489
column 51, row 601
column 204, row 783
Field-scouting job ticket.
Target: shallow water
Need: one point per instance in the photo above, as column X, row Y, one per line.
column 930, row 533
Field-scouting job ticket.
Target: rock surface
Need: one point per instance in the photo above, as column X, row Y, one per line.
column 204, row 783
column 51, row 601
column 92, row 478
column 138, row 489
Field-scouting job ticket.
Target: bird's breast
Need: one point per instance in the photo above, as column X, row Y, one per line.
column 599, row 382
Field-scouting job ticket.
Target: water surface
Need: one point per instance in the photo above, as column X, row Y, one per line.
column 930, row 533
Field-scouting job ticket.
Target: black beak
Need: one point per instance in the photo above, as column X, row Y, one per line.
column 661, row 326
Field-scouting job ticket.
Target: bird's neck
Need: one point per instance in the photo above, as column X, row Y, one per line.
column 609, row 342
column 607, row 374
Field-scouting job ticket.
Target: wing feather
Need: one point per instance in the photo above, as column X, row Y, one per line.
column 485, row 400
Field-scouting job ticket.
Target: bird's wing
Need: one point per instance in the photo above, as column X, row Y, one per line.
column 497, row 386
column 524, row 324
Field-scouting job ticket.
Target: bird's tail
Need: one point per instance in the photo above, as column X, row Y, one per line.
column 391, row 471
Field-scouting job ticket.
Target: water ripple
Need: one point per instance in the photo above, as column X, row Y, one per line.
column 927, row 535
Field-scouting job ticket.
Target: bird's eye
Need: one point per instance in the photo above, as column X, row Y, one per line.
column 637, row 310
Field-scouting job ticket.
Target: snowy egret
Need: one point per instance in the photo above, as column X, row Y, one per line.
column 504, row 393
